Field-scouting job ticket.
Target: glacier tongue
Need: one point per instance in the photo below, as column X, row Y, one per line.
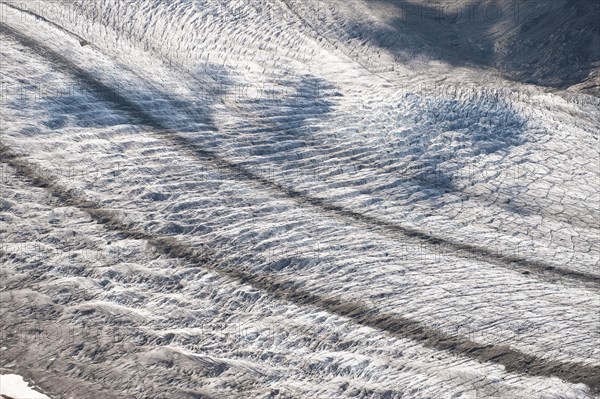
column 235, row 199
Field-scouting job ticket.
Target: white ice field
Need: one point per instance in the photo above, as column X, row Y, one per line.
column 236, row 199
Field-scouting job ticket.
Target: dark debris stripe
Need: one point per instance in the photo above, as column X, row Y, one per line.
column 531, row 267
column 291, row 291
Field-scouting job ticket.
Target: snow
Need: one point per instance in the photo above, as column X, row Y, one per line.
column 15, row 387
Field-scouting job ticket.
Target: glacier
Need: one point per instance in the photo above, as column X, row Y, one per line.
column 230, row 199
